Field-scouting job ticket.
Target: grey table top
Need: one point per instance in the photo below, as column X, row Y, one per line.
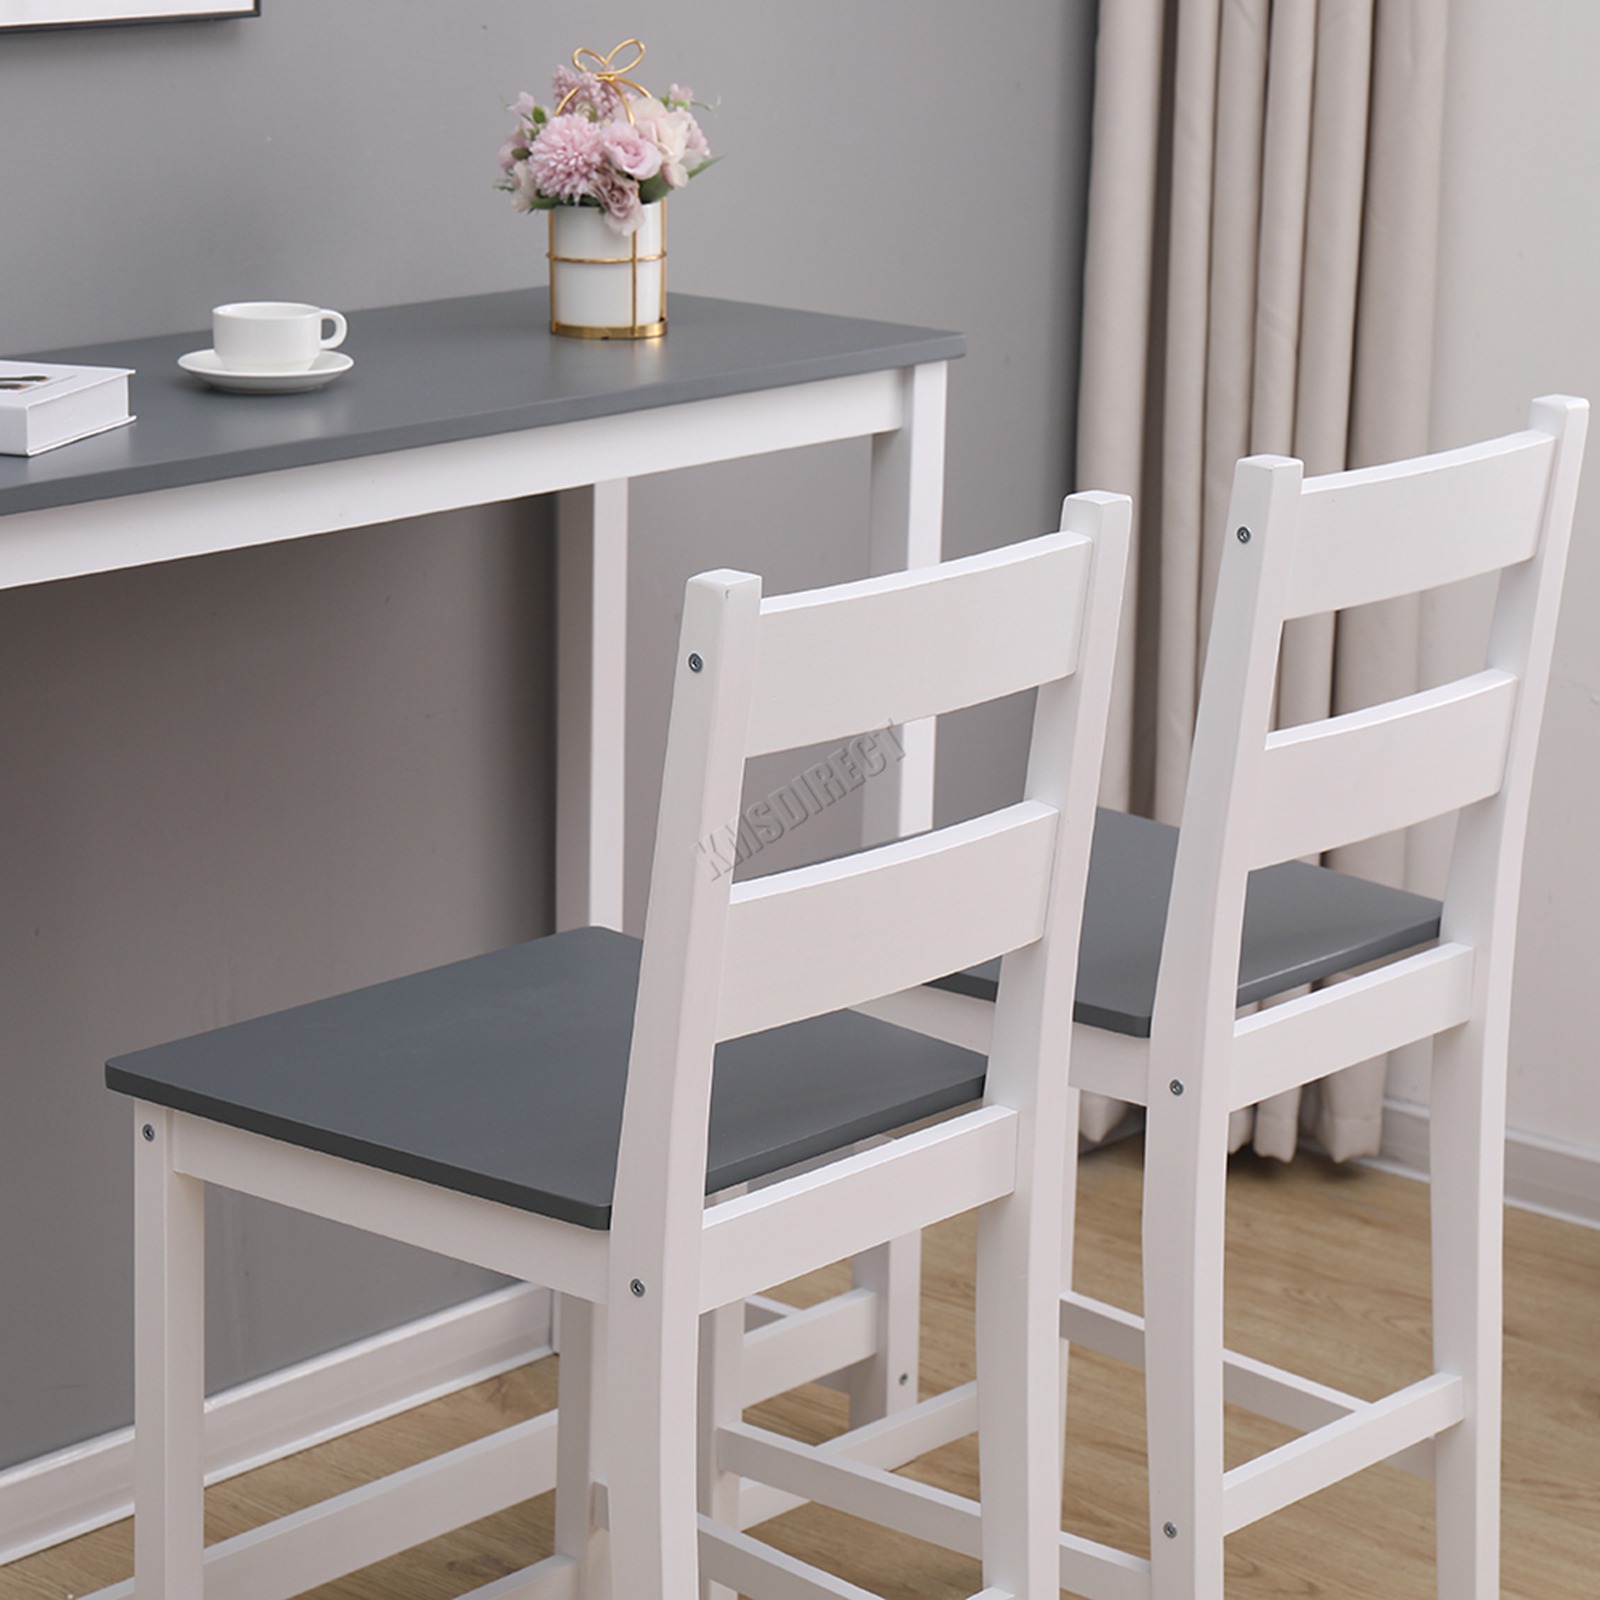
column 438, row 371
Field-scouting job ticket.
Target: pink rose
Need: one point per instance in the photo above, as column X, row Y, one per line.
column 695, row 143
column 629, row 151
column 668, row 131
column 619, row 196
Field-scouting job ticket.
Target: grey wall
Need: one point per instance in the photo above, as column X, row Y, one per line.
column 251, row 779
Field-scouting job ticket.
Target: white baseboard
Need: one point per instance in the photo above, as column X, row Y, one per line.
column 88, row 1485
column 1542, row 1174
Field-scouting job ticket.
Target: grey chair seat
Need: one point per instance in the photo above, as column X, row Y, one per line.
column 502, row 1076
column 1301, row 924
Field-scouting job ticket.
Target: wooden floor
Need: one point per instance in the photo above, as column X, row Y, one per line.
column 1327, row 1273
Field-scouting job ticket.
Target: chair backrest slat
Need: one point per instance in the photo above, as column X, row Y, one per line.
column 1359, row 541
column 1318, row 1033
column 884, row 920
column 874, row 653
column 1330, row 783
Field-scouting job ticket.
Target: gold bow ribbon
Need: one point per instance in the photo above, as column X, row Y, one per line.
column 604, row 72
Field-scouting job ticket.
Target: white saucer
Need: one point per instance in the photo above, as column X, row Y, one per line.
column 205, row 366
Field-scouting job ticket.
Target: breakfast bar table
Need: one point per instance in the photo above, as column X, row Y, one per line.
column 463, row 402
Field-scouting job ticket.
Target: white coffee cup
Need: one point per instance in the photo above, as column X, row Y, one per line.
column 273, row 335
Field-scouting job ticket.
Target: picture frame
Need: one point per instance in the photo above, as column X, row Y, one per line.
column 30, row 15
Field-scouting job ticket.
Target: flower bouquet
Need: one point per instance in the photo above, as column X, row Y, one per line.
column 601, row 162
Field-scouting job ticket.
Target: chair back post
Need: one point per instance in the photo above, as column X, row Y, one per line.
column 1033, row 1016
column 1486, row 863
column 1187, row 1117
column 1033, row 1012
column 1467, row 1101
column 1200, row 954
column 1029, row 1059
column 652, row 1316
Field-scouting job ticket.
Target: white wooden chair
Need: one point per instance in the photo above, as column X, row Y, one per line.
column 1241, row 928
column 1257, row 797
column 549, row 1111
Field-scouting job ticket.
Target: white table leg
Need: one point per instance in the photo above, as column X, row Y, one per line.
column 907, row 519
column 591, row 702
column 906, row 531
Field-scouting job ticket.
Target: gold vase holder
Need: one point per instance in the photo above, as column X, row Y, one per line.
column 633, row 328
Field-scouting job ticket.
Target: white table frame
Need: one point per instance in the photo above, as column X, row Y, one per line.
column 902, row 410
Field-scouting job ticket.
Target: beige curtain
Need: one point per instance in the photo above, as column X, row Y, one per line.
column 1262, row 235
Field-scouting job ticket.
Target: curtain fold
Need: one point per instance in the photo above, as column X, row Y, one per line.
column 1118, row 267
column 1259, row 278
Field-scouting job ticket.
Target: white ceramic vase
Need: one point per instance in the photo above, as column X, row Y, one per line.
column 605, row 286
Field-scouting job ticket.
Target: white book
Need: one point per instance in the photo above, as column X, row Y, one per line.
column 42, row 406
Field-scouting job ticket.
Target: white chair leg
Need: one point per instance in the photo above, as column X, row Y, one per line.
column 1069, row 1237
column 1467, row 1179
column 721, row 1349
column 1019, row 1452
column 579, row 1435
column 887, row 1381
column 169, row 1367
column 1185, row 1207
column 651, row 1429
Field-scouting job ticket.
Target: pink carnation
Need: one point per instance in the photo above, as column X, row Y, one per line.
column 567, row 158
